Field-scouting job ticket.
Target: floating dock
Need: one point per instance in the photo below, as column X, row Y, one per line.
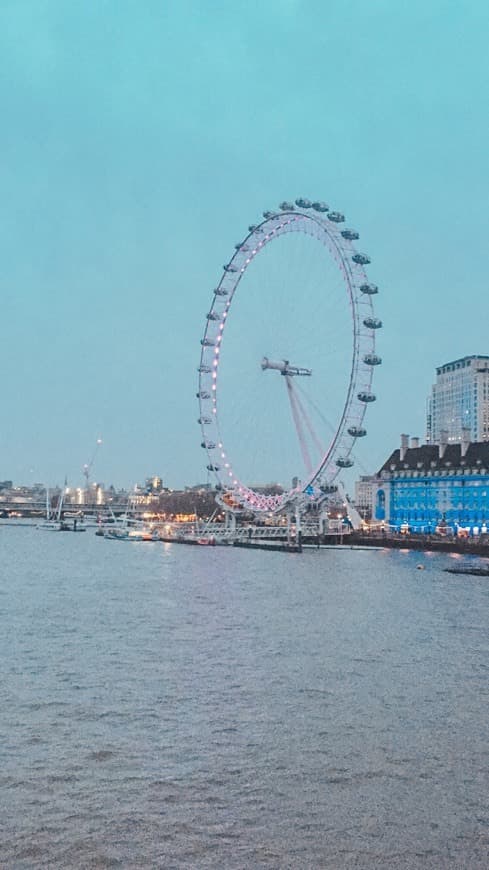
column 282, row 547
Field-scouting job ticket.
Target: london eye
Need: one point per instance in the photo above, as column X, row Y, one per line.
column 288, row 342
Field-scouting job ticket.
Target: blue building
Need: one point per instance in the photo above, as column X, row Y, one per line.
column 430, row 485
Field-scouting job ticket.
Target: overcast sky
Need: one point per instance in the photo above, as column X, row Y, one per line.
column 139, row 139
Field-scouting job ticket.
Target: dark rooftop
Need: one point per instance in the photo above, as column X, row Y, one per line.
column 426, row 458
column 458, row 363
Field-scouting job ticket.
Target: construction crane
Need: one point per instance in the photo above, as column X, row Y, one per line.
column 88, row 467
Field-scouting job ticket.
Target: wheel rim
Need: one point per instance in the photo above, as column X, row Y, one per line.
column 327, row 229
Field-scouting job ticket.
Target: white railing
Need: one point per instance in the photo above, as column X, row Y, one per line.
column 220, row 532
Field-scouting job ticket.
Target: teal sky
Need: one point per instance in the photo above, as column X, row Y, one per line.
column 139, row 139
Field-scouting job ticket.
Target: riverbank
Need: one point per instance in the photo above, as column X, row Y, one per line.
column 465, row 546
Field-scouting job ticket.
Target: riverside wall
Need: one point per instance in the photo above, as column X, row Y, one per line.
column 466, row 546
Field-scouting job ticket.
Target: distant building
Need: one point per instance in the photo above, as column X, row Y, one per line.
column 154, row 485
column 363, row 494
column 459, row 399
column 425, row 486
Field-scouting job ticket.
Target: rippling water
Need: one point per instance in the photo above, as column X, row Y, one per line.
column 180, row 707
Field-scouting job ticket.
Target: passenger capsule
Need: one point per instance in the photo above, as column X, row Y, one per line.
column 204, row 421
column 369, row 289
column 208, row 445
column 371, row 359
column 351, row 235
column 230, row 268
column 213, row 467
column 204, row 370
column 303, row 203
column 268, row 214
column 207, row 342
column 220, row 291
column 357, row 432
column 242, row 246
column 336, row 217
column 203, row 394
column 320, row 206
column 361, row 259
column 213, row 315
column 366, row 397
column 372, row 322
column 287, row 206
column 344, row 462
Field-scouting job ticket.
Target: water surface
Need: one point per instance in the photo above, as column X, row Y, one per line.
column 179, row 707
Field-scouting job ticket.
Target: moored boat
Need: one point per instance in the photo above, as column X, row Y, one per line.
column 57, row 520
column 132, row 534
column 475, row 570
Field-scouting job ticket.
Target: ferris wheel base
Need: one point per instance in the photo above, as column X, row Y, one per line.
column 300, row 509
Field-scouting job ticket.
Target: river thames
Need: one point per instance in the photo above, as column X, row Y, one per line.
column 190, row 707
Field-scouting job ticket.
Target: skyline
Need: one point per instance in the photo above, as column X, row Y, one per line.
column 140, row 143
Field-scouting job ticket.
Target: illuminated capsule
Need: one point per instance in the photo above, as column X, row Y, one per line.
column 371, row 359
column 372, row 322
column 336, row 217
column 357, row 432
column 351, row 235
column 303, row 203
column 320, row 206
column 369, row 289
column 361, row 259
column 366, row 397
column 344, row 462
column 287, row 206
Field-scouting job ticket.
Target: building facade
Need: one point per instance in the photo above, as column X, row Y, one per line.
column 426, row 486
column 459, row 399
column 363, row 494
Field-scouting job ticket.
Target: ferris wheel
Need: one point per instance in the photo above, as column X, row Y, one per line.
column 321, row 460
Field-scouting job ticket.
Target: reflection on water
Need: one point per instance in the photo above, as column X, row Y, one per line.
column 166, row 706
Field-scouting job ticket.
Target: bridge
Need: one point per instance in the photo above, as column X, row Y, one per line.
column 31, row 508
